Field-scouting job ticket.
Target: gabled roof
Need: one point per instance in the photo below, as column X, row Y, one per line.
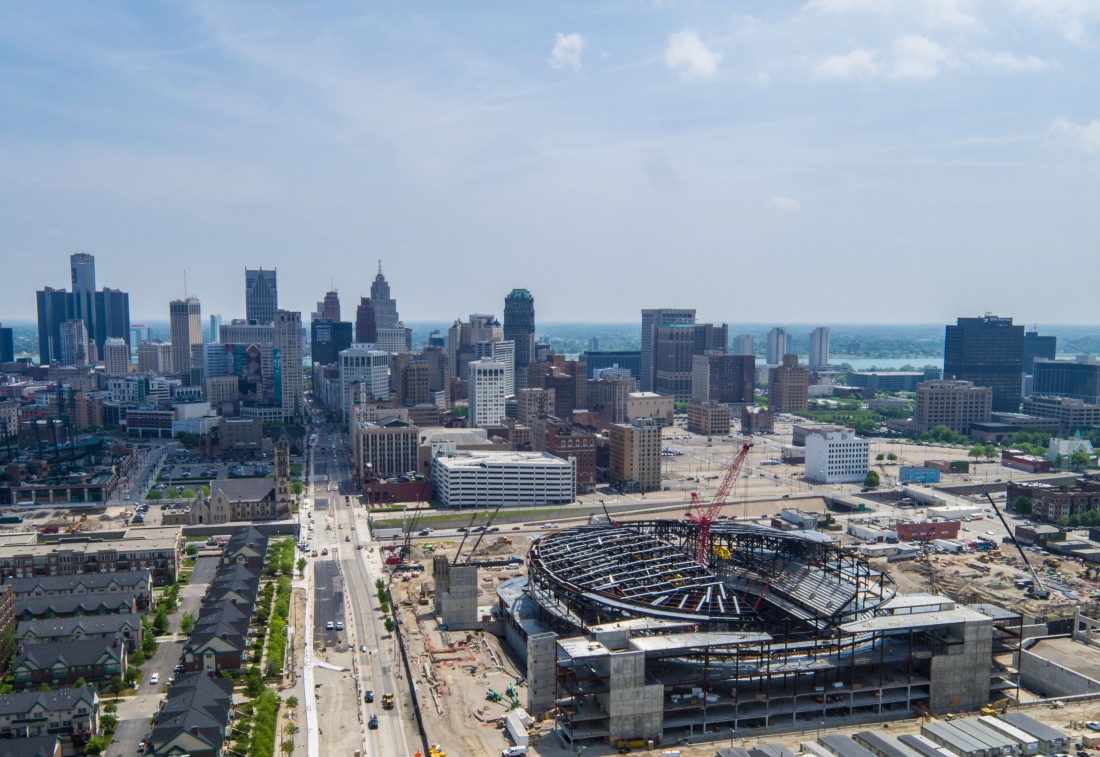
column 247, row 537
column 35, row 746
column 90, row 581
column 69, row 653
column 244, row 489
column 67, row 605
column 55, row 700
column 89, row 624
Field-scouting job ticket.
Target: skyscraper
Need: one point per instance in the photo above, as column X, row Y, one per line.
column 385, row 308
column 73, row 349
column 116, row 357
column 777, row 346
column 54, row 308
column 330, row 310
column 185, row 328
column 261, row 295
column 788, row 386
column 987, row 351
column 743, row 345
column 1038, row 348
column 215, row 327
column 7, row 344
column 82, row 266
column 366, row 324
column 819, row 347
column 652, row 319
column 519, row 327
column 487, row 392
column 290, row 384
column 112, row 313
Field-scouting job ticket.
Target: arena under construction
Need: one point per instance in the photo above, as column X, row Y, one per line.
column 627, row 637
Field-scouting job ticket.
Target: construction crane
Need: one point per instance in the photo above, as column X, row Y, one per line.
column 484, row 530
column 1036, row 590
column 704, row 517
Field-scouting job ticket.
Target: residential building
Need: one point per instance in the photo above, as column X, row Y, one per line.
column 652, row 319
column 290, row 386
column 955, row 404
column 219, row 641
column 519, row 328
column 743, row 345
column 62, row 664
column 139, row 583
column 195, row 718
column 364, row 372
column 385, row 307
column 1050, row 503
column 116, row 357
column 113, row 603
column 473, row 479
column 777, row 345
column 635, row 461
column 223, row 393
column 154, row 357
column 127, row 627
column 708, row 418
column 69, row 714
column 185, row 328
column 158, row 550
column 246, row 546
column 532, row 403
column 1075, row 379
column 723, row 378
column 562, row 439
column 819, row 347
column 488, row 391
column 74, row 346
column 987, row 351
column 261, row 295
column 837, row 457
column 409, row 380
column 788, row 386
column 1038, row 347
column 383, row 448
column 1071, row 415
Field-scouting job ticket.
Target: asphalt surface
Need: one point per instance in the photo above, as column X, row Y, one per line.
column 328, row 604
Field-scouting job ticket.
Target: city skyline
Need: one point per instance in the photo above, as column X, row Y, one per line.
column 851, row 145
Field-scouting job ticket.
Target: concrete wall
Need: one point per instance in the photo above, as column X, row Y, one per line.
column 542, row 650
column 960, row 678
column 1050, row 679
column 635, row 710
column 458, row 609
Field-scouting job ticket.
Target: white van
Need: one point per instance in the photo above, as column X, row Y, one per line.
column 514, row 751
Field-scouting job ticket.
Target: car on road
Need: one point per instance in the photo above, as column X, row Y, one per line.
column 368, row 697
column 154, row 679
column 329, row 626
column 372, row 724
column 1093, row 725
column 347, row 537
column 514, row 751
column 363, row 648
column 339, row 625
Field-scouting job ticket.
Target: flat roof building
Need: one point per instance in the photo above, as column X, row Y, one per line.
column 472, row 479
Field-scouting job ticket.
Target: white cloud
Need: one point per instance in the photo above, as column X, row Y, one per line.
column 567, row 51
column 1068, row 16
column 917, row 57
column 1083, row 137
column 784, row 203
column 1006, row 61
column 686, row 54
column 858, row 63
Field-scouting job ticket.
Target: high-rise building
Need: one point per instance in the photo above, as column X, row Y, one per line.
column 112, row 317
column 635, row 460
column 54, row 308
column 743, row 345
column 777, row 346
column 487, row 392
column 519, row 327
column 396, row 339
column 652, row 319
column 116, row 357
column 154, row 357
column 723, row 378
column 364, row 375
column 837, row 456
column 1038, row 347
column 366, row 324
column 503, row 352
column 7, row 345
column 819, row 347
column 672, row 359
column 330, row 308
column 215, row 327
column 139, row 333
column 290, row 383
column 788, row 386
column 185, row 329
column 463, row 337
column 385, row 307
column 82, row 267
column 328, row 338
column 955, row 404
column 988, row 351
column 261, row 295
column 74, row 345
column 1075, row 379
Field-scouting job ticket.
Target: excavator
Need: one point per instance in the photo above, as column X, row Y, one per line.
column 996, row 708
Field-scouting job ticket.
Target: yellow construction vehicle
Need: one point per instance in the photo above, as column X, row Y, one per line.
column 996, row 708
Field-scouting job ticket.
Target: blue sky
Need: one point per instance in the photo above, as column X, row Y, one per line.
column 830, row 160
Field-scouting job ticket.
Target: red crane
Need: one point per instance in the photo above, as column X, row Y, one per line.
column 706, row 517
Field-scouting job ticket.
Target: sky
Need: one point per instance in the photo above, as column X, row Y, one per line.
column 819, row 161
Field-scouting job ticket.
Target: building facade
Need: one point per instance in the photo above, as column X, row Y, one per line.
column 261, row 295
column 488, row 392
column 819, row 347
column 987, row 351
column 777, row 346
column 652, row 319
column 955, row 404
column 708, row 418
column 290, row 384
column 519, row 328
column 788, row 386
column 635, row 459
column 473, row 479
column 723, row 378
column 384, row 448
column 185, row 328
column 834, row 457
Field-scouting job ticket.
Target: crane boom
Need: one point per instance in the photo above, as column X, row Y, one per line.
column 1040, row 591
column 705, row 517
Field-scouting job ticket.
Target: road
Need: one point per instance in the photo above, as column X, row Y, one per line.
column 135, row 713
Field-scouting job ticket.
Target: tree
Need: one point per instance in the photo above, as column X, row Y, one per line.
column 133, row 675
column 187, row 622
column 7, row 648
column 871, row 480
column 80, row 683
column 989, row 451
column 1079, row 459
column 292, row 702
column 253, row 682
column 192, row 550
column 1022, row 505
column 978, row 450
column 43, row 687
column 108, row 722
column 301, row 565
column 288, row 746
column 891, row 457
column 187, row 439
column 116, row 686
column 880, row 457
column 388, row 624
column 95, row 746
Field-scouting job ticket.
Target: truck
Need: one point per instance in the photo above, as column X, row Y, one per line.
column 387, row 701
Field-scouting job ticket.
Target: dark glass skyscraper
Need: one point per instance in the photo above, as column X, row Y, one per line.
column 366, row 324
column 54, row 308
column 1038, row 347
column 987, row 351
column 519, row 327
